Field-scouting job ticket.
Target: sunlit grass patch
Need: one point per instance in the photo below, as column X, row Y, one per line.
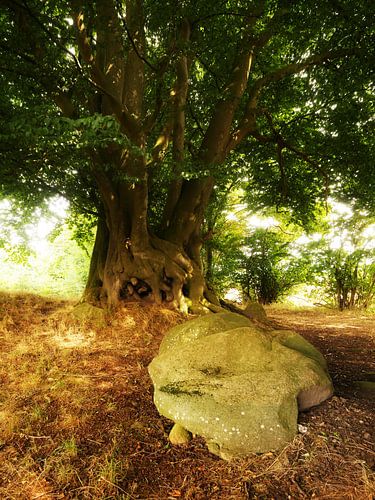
column 61, row 467
column 9, row 422
column 72, row 338
column 68, row 447
column 111, row 470
column 108, row 470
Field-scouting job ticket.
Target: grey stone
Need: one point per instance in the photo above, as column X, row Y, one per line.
column 236, row 384
column 295, row 341
column 201, row 327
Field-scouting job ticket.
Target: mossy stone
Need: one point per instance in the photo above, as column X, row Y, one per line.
column 87, row 313
column 237, row 384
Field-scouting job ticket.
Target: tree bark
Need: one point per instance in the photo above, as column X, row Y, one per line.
column 95, row 278
column 160, row 272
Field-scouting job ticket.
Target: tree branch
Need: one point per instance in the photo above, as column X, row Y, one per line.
column 127, row 122
column 51, row 37
column 180, row 91
column 60, row 97
column 214, row 145
column 293, row 68
column 211, row 72
column 248, row 122
column 129, row 35
column 282, row 143
column 195, row 119
column 217, row 134
column 280, row 161
column 133, row 91
column 223, row 13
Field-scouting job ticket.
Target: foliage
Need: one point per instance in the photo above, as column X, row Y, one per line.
column 151, row 104
column 266, row 269
column 13, row 235
column 343, row 260
column 224, row 232
column 57, row 268
column 314, row 109
column 264, row 263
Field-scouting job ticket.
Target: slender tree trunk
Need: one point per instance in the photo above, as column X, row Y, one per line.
column 209, row 263
column 95, row 278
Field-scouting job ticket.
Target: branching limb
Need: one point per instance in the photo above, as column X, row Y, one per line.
column 127, row 122
column 179, row 93
column 305, row 157
column 131, row 39
column 298, row 67
column 280, row 161
column 218, row 85
column 36, row 57
column 24, row 7
column 248, row 123
column 218, row 131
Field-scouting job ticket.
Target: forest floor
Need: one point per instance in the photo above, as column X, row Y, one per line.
column 77, row 419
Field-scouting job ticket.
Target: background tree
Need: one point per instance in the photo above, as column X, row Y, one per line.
column 43, row 254
column 266, row 269
column 343, row 260
column 134, row 110
column 224, row 231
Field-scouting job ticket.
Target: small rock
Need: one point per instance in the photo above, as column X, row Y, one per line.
column 256, row 311
column 86, row 312
column 179, row 435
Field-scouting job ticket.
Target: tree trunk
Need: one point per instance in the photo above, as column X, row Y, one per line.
column 158, row 271
column 129, row 262
column 95, row 278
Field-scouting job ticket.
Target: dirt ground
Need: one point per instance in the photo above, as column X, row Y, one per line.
column 77, row 419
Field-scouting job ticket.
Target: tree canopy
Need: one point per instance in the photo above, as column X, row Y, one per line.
column 137, row 111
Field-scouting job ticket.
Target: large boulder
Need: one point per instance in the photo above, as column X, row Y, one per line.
column 238, row 385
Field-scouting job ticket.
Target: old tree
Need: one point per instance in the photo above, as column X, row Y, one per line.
column 138, row 111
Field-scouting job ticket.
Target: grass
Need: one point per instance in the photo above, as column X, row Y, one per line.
column 58, row 424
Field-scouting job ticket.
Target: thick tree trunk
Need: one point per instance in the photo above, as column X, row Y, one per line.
column 131, row 263
column 159, row 271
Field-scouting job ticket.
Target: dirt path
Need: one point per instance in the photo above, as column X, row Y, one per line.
column 346, row 339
